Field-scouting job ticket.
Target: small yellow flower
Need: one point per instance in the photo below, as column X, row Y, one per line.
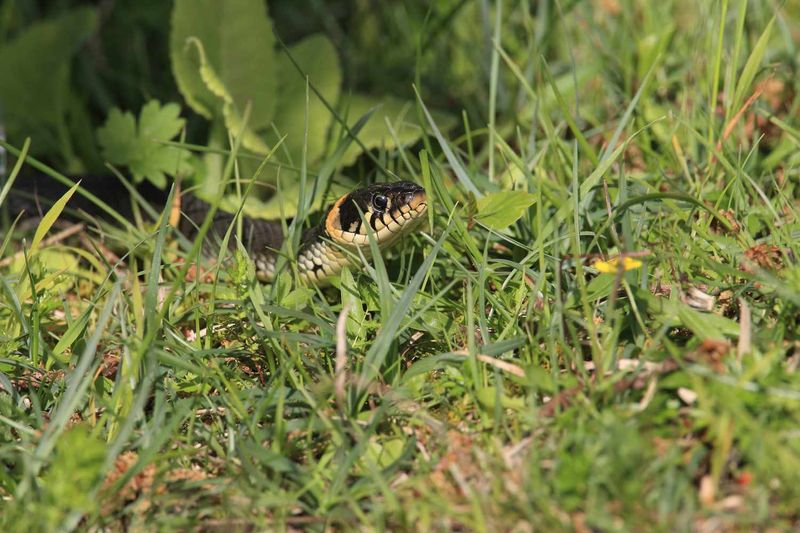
column 612, row 266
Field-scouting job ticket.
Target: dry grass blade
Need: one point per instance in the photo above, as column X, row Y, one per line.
column 745, row 330
column 505, row 366
column 341, row 354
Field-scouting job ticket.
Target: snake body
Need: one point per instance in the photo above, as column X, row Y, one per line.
column 390, row 211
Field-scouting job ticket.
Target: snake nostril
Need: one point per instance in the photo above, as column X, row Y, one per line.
column 409, row 197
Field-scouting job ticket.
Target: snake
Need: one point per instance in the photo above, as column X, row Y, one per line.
column 388, row 211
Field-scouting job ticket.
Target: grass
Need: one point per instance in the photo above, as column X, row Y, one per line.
column 476, row 377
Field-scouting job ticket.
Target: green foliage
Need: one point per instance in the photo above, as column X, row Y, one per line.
column 300, row 114
column 34, row 86
column 139, row 146
column 501, row 209
column 71, row 480
column 67, row 489
column 225, row 62
column 393, row 124
column 237, row 44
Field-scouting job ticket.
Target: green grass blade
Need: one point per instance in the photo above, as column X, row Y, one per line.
column 50, row 218
column 15, row 171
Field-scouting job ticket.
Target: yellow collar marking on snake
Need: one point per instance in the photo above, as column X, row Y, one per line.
column 391, row 210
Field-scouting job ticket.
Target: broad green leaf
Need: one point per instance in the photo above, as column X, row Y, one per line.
column 498, row 210
column 286, row 200
column 297, row 298
column 239, row 46
column 140, row 147
column 600, row 287
column 283, row 205
column 394, row 123
column 234, row 121
column 34, row 80
column 674, row 312
column 50, row 217
column 318, row 59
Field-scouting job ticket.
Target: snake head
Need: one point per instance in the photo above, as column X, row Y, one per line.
column 390, row 210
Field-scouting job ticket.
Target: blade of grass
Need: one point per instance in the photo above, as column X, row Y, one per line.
column 15, row 171
column 377, row 352
column 78, row 381
column 455, row 163
column 50, row 218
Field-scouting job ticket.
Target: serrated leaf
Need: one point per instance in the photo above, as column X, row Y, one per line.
column 155, row 165
column 400, row 115
column 139, row 146
column 239, row 42
column 118, row 136
column 34, row 79
column 498, row 210
column 160, row 123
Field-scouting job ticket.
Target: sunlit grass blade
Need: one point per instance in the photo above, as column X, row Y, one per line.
column 23, row 153
column 50, row 218
column 379, row 349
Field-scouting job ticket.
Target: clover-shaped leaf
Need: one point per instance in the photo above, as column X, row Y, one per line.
column 140, row 146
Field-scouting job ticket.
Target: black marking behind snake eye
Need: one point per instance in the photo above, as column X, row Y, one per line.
column 380, row 202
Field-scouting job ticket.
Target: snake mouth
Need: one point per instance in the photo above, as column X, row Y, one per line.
column 389, row 212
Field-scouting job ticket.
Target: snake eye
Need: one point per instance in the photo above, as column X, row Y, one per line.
column 380, row 202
